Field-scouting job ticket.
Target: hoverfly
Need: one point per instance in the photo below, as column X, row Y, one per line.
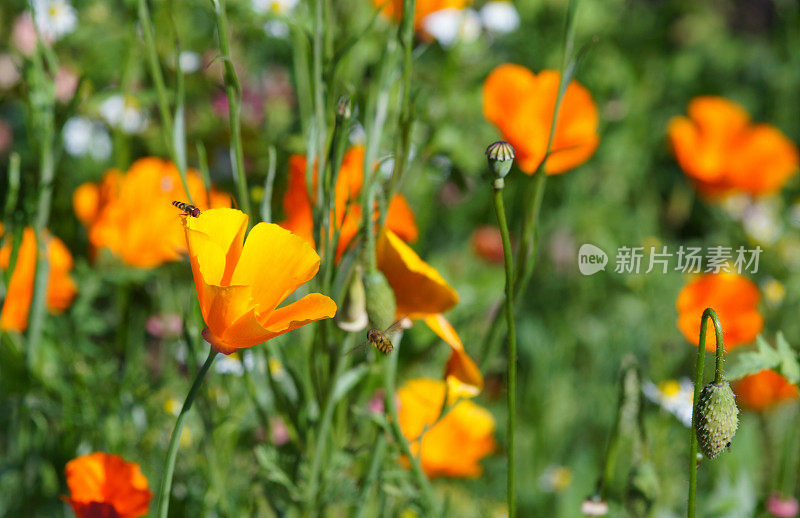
column 380, row 339
column 189, row 210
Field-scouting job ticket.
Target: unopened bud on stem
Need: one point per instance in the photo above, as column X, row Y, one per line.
column 500, row 156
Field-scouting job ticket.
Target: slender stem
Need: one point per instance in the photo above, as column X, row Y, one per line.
column 266, row 202
column 233, row 91
column 390, row 372
column 525, row 262
column 512, row 343
column 378, row 452
column 698, row 386
column 404, row 140
column 172, row 451
column 44, row 122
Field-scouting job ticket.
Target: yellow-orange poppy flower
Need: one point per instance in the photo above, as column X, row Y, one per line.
column 521, row 104
column 132, row 215
column 763, row 390
column 735, row 299
column 103, row 485
column 455, row 445
column 240, row 283
column 394, row 8
column 422, row 293
column 297, row 205
column 718, row 147
column 61, row 287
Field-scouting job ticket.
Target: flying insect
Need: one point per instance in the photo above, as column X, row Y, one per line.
column 189, row 210
column 379, row 339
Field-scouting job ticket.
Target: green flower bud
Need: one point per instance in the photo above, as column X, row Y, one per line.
column 716, row 418
column 352, row 314
column 500, row 156
column 381, row 305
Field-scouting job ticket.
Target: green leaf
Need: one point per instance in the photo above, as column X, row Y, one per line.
column 789, row 366
column 346, row 382
column 753, row 362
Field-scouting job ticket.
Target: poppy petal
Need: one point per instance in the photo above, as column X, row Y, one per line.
column 275, row 262
column 419, row 289
column 463, row 376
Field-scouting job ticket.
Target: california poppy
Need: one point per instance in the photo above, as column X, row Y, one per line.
column 719, row 148
column 763, row 390
column 455, row 445
column 394, row 8
column 521, row 104
column 132, row 215
column 240, row 283
column 61, row 287
column 347, row 212
column 735, row 299
column 103, row 485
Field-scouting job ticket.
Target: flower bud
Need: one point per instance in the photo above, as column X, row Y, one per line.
column 716, row 418
column 352, row 315
column 500, row 156
column 381, row 305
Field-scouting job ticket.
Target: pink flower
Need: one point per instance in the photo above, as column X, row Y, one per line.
column 167, row 325
column 66, row 81
column 375, row 403
column 24, row 34
column 278, row 432
column 782, row 507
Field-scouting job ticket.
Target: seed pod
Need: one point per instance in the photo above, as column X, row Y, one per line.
column 716, row 418
column 381, row 305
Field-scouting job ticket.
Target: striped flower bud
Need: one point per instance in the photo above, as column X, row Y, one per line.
column 500, row 156
column 716, row 418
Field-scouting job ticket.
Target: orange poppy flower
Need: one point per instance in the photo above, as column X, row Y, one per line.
column 240, row 283
column 735, row 299
column 297, row 205
column 763, row 390
column 521, row 104
column 455, row 445
column 421, row 292
column 61, row 287
column 394, row 8
column 103, row 485
column 132, row 215
column 718, row 147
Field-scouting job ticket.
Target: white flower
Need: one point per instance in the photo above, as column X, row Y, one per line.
column 83, row 136
column 594, row 506
column 761, row 221
column 499, row 17
column 232, row 364
column 277, row 29
column 54, row 18
column 189, row 62
column 125, row 113
column 274, row 6
column 676, row 397
column 451, row 26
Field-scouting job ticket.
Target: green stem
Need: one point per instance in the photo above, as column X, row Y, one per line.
column 378, row 452
column 698, row 386
column 390, row 372
column 44, row 122
column 526, row 261
column 233, row 91
column 512, row 343
column 266, row 202
column 404, row 140
column 174, row 442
